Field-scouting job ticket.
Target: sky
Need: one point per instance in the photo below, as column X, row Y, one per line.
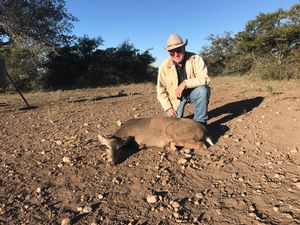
column 147, row 24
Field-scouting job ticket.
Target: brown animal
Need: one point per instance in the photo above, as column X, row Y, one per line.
column 157, row 131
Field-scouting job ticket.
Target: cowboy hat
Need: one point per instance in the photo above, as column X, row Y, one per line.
column 175, row 41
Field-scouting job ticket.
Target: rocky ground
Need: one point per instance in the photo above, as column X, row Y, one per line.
column 54, row 171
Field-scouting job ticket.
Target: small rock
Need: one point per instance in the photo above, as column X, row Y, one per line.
column 58, row 142
column 241, row 179
column 288, row 215
column 195, row 220
column 227, row 136
column 100, row 196
column 294, row 150
column 176, row 215
column 175, row 204
column 234, row 175
column 66, row 221
column 252, row 214
column 199, row 195
column 187, row 156
column 275, row 208
column 279, row 162
column 66, row 159
column 38, row 190
column 87, row 209
column 117, row 180
column 251, row 209
column 187, row 151
column 237, row 140
column 182, row 161
column 258, row 143
column 152, row 199
column 119, row 123
column 297, row 184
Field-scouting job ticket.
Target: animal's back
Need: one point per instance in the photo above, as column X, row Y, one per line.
column 133, row 127
column 186, row 129
column 148, row 131
column 160, row 131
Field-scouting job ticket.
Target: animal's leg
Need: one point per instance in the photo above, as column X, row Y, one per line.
column 173, row 146
column 196, row 145
column 142, row 146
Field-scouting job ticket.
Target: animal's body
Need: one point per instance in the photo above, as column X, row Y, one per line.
column 157, row 131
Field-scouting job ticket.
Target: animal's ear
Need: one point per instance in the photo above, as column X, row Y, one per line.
column 104, row 140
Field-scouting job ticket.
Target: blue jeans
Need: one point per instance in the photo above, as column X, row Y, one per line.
column 199, row 96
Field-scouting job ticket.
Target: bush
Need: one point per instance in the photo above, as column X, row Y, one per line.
column 275, row 68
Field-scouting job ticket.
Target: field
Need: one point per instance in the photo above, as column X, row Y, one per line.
column 53, row 170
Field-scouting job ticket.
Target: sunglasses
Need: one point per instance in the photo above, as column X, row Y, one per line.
column 178, row 51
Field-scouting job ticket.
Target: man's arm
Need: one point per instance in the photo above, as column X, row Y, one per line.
column 162, row 94
column 200, row 71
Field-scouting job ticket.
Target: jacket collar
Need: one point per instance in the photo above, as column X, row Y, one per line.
column 188, row 56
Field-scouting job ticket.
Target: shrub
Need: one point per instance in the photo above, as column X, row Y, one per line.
column 275, row 68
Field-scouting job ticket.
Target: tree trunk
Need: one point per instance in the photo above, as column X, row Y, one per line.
column 2, row 74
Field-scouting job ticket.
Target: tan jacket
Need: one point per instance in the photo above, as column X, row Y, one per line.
column 167, row 80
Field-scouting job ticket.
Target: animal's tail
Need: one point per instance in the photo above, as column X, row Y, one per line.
column 208, row 140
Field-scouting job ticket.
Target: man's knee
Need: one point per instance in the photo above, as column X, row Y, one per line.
column 201, row 92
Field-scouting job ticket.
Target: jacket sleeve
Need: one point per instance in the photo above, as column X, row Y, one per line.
column 200, row 73
column 162, row 94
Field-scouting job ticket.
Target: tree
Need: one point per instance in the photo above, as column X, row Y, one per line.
column 273, row 41
column 269, row 46
column 70, row 62
column 218, row 53
column 29, row 31
column 40, row 21
column 275, row 33
column 84, row 64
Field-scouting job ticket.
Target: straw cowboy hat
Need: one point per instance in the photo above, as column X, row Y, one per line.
column 175, row 41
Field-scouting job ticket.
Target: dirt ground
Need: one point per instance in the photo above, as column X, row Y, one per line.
column 53, row 170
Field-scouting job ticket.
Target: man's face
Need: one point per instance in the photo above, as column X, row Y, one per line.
column 177, row 54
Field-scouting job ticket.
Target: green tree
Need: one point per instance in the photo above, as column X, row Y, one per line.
column 43, row 21
column 219, row 53
column 29, row 30
column 272, row 33
column 268, row 47
column 69, row 63
column 273, row 41
column 84, row 64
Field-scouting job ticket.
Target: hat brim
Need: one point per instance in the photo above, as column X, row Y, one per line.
column 169, row 48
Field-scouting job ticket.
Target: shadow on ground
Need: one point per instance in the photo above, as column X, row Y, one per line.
column 127, row 151
column 230, row 111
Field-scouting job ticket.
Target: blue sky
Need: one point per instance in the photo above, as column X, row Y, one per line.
column 147, row 24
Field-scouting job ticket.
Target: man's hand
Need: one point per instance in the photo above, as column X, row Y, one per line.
column 171, row 112
column 180, row 89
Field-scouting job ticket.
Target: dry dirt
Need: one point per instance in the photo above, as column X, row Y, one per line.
column 54, row 171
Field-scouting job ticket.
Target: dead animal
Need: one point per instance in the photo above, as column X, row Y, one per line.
column 157, row 131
